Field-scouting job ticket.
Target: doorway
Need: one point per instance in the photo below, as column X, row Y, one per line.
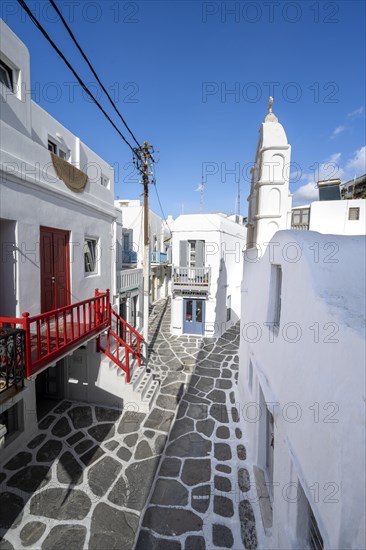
column 8, row 268
column 49, row 388
column 55, row 269
column 193, row 316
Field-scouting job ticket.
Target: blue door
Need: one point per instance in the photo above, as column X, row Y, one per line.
column 193, row 316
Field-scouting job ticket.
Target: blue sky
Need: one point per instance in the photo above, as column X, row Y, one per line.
column 171, row 66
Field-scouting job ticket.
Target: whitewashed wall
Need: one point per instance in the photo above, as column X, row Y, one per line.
column 32, row 196
column 332, row 217
column 312, row 376
column 132, row 220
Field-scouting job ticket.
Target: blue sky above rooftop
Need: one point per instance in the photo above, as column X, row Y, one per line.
column 193, row 78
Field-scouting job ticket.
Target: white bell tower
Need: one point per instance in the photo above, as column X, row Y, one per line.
column 270, row 200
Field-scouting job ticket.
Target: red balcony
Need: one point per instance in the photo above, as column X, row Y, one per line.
column 52, row 335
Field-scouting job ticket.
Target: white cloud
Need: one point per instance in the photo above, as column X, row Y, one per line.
column 337, row 131
column 295, row 175
column 358, row 112
column 329, row 169
column 357, row 164
column 306, row 193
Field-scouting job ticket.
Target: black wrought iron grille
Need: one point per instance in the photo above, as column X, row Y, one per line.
column 12, row 358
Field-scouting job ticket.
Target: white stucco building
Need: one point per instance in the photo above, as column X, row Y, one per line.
column 206, row 273
column 129, row 297
column 133, row 245
column 335, row 217
column 59, row 237
column 302, row 381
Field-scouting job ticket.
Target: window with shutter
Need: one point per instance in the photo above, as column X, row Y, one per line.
column 200, row 254
column 183, row 253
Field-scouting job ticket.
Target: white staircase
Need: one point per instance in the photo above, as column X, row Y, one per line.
column 142, row 389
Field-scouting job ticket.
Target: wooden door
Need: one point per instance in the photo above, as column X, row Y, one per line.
column 61, row 267
column 55, row 269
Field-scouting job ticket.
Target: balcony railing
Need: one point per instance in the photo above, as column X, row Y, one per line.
column 159, row 257
column 31, row 344
column 300, row 226
column 191, row 277
column 129, row 257
column 12, row 358
column 50, row 336
column 128, row 279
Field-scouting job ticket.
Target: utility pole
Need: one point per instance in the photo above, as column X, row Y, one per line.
column 146, row 151
column 238, row 199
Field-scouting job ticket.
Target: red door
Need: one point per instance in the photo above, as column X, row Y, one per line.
column 55, row 277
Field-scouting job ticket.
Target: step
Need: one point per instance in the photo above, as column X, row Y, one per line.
column 136, row 373
column 113, row 366
column 137, row 376
column 144, row 385
column 150, row 396
column 142, row 389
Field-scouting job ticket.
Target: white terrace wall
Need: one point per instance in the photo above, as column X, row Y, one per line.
column 312, row 376
column 332, row 217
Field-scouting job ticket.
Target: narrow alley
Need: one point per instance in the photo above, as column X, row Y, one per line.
column 182, row 275
column 174, row 478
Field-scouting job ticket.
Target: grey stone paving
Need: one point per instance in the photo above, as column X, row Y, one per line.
column 174, row 478
column 200, row 499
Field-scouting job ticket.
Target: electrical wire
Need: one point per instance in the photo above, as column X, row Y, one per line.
column 159, row 201
column 134, row 150
column 85, row 57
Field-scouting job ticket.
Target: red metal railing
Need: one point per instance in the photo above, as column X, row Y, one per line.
column 121, row 342
column 128, row 334
column 50, row 335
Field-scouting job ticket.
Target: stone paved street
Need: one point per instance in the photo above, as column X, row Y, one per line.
column 175, row 478
column 202, row 494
